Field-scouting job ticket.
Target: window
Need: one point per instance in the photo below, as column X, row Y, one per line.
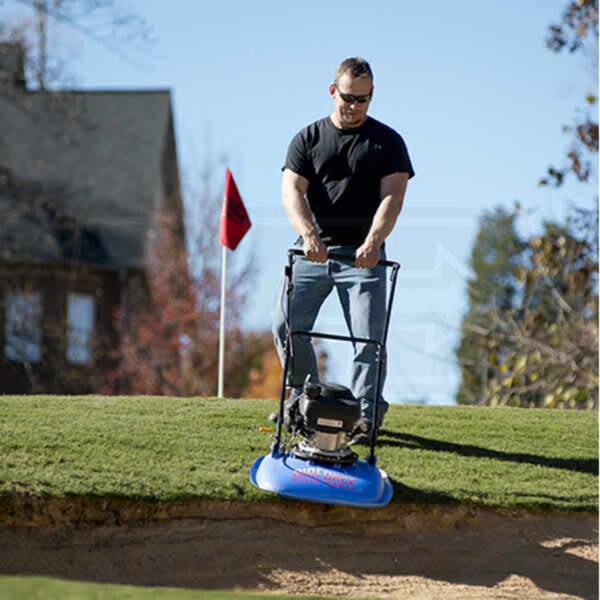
column 80, row 328
column 23, row 332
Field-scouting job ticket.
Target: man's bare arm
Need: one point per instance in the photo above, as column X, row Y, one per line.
column 392, row 191
column 293, row 189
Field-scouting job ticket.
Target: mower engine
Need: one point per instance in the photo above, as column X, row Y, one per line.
column 325, row 416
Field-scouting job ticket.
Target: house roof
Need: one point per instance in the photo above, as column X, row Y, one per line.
column 80, row 173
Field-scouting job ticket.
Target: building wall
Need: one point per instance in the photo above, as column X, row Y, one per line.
column 54, row 373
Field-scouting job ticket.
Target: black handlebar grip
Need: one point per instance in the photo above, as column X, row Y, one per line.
column 343, row 257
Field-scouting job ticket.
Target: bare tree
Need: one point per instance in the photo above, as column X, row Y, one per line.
column 105, row 22
column 543, row 351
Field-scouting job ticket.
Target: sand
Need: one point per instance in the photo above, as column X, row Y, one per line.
column 287, row 547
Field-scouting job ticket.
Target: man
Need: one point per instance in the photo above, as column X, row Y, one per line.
column 343, row 187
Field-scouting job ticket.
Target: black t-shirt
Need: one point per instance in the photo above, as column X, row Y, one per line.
column 344, row 168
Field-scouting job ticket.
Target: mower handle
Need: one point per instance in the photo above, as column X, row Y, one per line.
column 380, row 345
column 343, row 257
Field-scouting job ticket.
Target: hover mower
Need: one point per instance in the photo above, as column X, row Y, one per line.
column 315, row 462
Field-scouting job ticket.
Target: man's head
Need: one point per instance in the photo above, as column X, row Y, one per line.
column 351, row 90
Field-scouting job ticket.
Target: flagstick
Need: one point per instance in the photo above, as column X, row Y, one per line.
column 222, row 323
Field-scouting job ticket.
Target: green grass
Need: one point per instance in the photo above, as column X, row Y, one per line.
column 46, row 588
column 165, row 449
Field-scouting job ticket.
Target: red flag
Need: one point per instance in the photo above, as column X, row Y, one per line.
column 234, row 218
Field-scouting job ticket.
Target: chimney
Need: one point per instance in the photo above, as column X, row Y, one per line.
column 12, row 64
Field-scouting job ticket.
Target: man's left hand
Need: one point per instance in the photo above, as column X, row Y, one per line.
column 367, row 256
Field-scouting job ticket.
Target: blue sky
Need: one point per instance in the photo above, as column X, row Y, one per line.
column 478, row 98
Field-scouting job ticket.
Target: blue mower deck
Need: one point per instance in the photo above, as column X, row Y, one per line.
column 360, row 484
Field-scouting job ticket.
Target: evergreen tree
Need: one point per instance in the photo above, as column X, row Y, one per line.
column 494, row 263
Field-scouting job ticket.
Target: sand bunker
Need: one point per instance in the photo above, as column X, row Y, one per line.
column 404, row 552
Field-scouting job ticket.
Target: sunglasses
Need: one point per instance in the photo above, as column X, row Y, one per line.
column 351, row 98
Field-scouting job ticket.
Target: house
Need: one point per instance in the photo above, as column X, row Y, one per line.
column 81, row 175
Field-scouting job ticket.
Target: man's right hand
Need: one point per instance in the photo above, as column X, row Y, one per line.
column 314, row 249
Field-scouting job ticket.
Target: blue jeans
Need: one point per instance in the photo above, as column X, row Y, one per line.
column 362, row 294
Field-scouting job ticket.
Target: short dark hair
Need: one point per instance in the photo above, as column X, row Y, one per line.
column 356, row 66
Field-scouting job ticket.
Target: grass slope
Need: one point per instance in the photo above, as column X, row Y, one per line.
column 166, row 449
column 46, row 588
